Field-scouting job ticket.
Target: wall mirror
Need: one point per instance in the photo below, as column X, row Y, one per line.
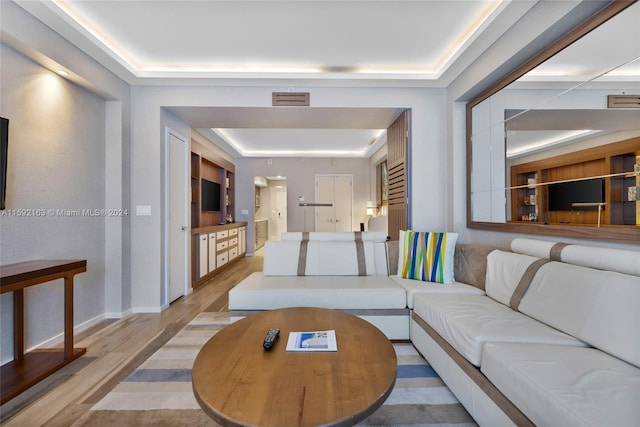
column 554, row 148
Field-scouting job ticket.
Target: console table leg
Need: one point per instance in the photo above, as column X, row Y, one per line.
column 68, row 317
column 18, row 324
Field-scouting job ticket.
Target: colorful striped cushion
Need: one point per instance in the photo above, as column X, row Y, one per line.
column 426, row 256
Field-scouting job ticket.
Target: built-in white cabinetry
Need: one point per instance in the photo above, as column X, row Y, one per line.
column 243, row 240
column 216, row 246
column 212, row 254
column 203, row 259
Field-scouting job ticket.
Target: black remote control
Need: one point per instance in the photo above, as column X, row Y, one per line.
column 270, row 339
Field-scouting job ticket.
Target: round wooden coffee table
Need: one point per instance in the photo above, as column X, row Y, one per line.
column 238, row 383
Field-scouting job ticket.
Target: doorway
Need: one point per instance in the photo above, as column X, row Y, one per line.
column 270, row 213
column 176, row 282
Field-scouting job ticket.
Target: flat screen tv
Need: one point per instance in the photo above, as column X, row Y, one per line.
column 210, row 195
column 563, row 195
column 4, row 149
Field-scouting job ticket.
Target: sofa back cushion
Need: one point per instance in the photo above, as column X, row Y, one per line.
column 601, row 308
column 324, row 258
column 470, row 263
column 505, row 271
column 344, row 236
column 620, row 260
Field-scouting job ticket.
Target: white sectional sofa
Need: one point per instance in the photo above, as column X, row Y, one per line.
column 544, row 334
column 551, row 343
column 343, row 271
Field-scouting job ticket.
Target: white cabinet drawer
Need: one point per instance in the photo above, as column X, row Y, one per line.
column 233, row 232
column 233, row 242
column 222, row 246
column 222, row 234
column 233, row 252
column 223, row 259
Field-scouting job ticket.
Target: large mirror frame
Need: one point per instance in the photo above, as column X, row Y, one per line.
column 614, row 233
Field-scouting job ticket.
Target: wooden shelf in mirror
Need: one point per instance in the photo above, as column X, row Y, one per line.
column 613, row 162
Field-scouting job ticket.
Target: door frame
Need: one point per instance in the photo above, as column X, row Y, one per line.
column 165, row 226
column 273, row 192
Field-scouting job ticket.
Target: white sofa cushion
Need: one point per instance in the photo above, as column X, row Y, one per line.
column 504, row 272
column 258, row 292
column 378, row 223
column 598, row 307
column 533, row 247
column 467, row 322
column 415, row 287
column 565, row 386
column 620, row 260
column 324, row 258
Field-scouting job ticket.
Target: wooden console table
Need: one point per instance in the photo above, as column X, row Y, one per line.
column 26, row 369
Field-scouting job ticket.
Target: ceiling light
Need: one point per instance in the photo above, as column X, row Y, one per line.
column 63, row 73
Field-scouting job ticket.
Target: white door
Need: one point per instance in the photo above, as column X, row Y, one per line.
column 342, row 201
column 324, row 194
column 177, row 230
column 336, row 190
column 278, row 217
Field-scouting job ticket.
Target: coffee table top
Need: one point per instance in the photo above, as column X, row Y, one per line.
column 238, row 383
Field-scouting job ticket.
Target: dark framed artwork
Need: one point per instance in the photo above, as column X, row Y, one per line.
column 384, row 184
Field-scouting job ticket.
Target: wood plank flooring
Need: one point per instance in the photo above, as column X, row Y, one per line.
column 114, row 349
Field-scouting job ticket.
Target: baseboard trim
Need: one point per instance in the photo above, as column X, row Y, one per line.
column 56, row 339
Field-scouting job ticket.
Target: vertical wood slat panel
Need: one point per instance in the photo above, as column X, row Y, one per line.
column 396, row 160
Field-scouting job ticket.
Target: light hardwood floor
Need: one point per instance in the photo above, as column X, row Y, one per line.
column 114, row 349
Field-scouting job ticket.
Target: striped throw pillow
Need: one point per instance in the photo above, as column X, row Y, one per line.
column 426, row 256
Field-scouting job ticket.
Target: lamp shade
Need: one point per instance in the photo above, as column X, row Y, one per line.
column 370, row 208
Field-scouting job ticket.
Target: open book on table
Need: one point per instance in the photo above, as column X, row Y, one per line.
column 312, row 341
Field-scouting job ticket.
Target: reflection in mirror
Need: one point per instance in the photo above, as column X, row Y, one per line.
column 553, row 125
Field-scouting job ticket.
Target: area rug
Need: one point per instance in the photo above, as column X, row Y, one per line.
column 159, row 391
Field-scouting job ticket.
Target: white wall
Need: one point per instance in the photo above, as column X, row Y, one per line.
column 56, row 163
column 69, row 149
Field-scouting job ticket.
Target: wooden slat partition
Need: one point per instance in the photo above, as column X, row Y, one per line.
column 397, row 146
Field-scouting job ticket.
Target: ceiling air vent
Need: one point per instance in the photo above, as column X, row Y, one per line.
column 290, row 99
column 623, row 101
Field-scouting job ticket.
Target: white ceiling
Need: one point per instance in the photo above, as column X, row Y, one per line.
column 421, row 42
column 357, row 40
column 292, row 131
column 271, row 37
column 538, row 130
column 612, row 49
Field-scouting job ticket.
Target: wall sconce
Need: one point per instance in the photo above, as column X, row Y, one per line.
column 370, row 208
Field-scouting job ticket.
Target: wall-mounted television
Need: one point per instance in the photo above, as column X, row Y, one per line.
column 563, row 195
column 4, row 150
column 210, row 195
